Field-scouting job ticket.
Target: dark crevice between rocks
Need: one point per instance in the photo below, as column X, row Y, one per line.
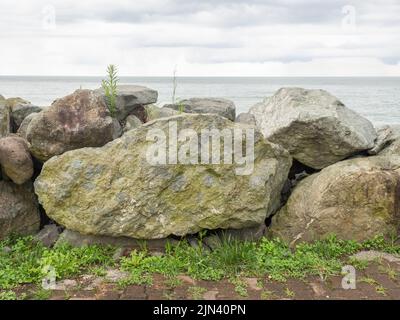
column 13, row 126
column 361, row 154
column 297, row 172
column 37, row 168
column 268, row 220
column 298, row 168
column 44, row 219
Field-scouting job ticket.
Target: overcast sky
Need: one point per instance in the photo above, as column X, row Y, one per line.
column 201, row 37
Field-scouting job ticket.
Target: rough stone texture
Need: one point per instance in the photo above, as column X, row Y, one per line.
column 78, row 120
column 23, row 128
column 388, row 142
column 15, row 159
column 20, row 109
column 117, row 129
column 314, row 126
column 392, row 149
column 48, row 235
column 77, row 239
column 222, row 107
column 373, row 255
column 5, row 119
column 246, row 118
column 154, row 112
column 132, row 122
column 128, row 196
column 386, row 136
column 115, row 275
column 19, row 213
column 131, row 100
column 355, row 199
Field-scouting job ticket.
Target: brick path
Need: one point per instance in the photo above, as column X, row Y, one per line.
column 378, row 281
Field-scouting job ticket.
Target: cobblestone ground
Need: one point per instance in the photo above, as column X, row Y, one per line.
column 378, row 281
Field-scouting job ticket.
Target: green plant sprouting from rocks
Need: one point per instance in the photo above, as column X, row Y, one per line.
column 110, row 88
column 176, row 100
column 174, row 86
column 181, row 106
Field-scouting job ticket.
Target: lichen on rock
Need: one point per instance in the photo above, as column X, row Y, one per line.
column 114, row 190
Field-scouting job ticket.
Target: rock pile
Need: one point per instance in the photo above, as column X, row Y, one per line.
column 318, row 168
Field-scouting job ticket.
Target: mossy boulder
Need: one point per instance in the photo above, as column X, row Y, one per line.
column 115, row 191
column 355, row 199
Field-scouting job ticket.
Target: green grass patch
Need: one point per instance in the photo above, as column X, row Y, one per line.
column 272, row 258
column 25, row 261
column 22, row 260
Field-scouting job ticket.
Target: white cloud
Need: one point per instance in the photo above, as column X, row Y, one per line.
column 208, row 38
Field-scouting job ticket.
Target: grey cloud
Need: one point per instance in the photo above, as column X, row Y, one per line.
column 183, row 11
column 391, row 60
column 199, row 32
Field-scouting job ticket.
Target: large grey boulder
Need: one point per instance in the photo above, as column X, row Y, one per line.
column 314, row 126
column 76, row 121
column 15, row 159
column 222, row 107
column 355, row 199
column 19, row 212
column 5, row 119
column 131, row 100
column 20, row 109
column 117, row 190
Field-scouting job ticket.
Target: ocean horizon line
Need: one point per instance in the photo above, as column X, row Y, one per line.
column 193, row 76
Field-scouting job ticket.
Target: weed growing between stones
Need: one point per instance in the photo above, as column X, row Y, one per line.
column 110, row 88
column 240, row 258
column 22, row 261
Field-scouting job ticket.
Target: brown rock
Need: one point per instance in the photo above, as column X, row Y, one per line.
column 15, row 159
column 76, row 121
